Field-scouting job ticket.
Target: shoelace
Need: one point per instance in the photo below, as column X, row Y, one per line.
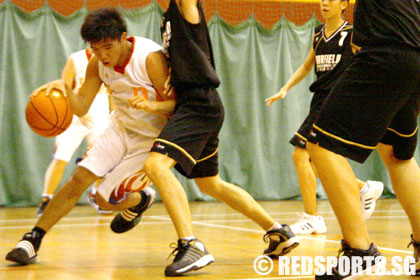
column 174, row 252
column 266, row 238
column 344, row 248
column 175, row 247
column 414, row 243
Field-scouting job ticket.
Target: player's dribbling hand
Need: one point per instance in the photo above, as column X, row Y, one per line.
column 279, row 95
column 140, row 103
column 48, row 87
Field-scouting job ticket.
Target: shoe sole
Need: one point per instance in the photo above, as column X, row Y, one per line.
column 357, row 276
column 289, row 245
column 12, row 258
column 201, row 263
column 312, row 232
column 105, row 212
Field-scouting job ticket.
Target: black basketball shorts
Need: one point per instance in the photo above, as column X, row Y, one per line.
column 301, row 136
column 191, row 135
column 375, row 100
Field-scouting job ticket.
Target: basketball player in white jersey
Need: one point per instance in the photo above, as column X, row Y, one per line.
column 86, row 127
column 134, row 70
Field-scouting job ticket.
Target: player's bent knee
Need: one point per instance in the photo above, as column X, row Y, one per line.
column 156, row 163
column 389, row 156
column 210, row 185
column 395, row 158
column 151, row 166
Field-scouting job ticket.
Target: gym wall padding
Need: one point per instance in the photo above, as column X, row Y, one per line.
column 252, row 62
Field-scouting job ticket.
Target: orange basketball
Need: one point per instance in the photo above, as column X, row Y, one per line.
column 49, row 115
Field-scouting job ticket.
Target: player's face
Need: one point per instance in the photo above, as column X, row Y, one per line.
column 332, row 8
column 108, row 51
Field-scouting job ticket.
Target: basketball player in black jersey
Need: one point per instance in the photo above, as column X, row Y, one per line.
column 330, row 54
column 190, row 141
column 375, row 104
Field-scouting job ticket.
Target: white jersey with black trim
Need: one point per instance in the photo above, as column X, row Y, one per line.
column 100, row 105
column 131, row 80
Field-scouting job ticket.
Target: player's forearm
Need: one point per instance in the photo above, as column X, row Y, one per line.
column 297, row 77
column 166, row 107
column 77, row 104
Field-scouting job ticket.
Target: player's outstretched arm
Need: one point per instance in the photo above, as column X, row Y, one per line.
column 298, row 76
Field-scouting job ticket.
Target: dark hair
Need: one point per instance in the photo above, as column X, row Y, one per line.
column 102, row 24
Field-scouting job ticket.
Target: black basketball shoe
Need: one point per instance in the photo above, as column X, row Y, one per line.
column 349, row 252
column 190, row 255
column 26, row 250
column 416, row 246
column 280, row 241
column 129, row 218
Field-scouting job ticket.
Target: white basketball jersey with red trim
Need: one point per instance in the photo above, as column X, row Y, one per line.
column 100, row 105
column 131, row 80
column 80, row 61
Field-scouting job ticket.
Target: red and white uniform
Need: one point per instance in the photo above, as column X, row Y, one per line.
column 121, row 150
column 70, row 140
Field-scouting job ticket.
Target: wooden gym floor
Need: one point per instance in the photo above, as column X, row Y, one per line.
column 81, row 246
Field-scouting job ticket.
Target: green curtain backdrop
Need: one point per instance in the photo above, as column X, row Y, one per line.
column 252, row 62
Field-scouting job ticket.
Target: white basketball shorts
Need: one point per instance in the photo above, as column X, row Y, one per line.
column 116, row 155
column 68, row 142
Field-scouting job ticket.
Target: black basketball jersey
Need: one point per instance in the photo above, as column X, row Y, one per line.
column 384, row 22
column 189, row 50
column 332, row 56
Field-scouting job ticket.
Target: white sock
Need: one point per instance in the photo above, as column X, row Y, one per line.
column 93, row 191
column 47, row 195
column 275, row 226
column 188, row 238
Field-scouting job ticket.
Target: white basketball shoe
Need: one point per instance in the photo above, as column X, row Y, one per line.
column 368, row 199
column 309, row 224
